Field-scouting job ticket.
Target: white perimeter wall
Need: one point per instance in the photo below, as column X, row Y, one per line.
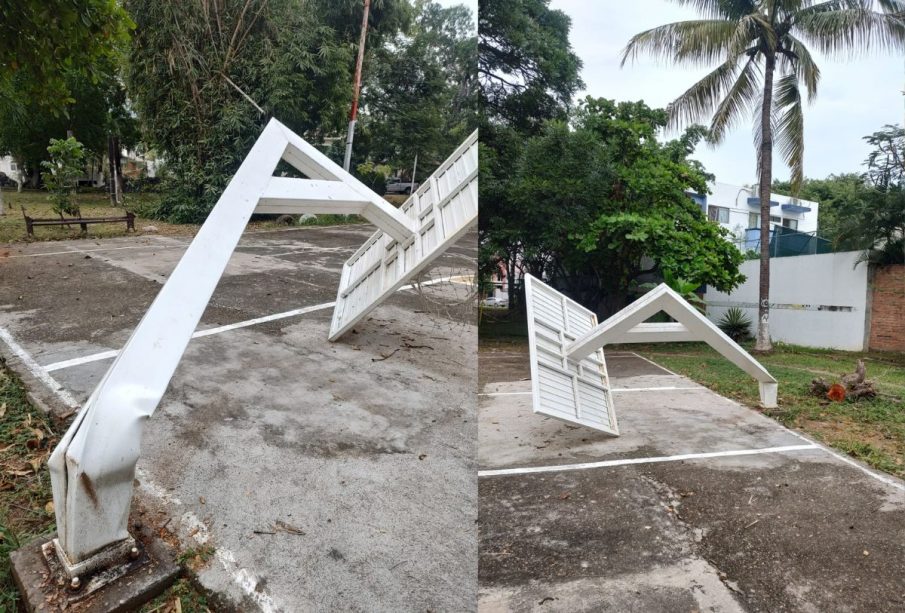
column 816, row 300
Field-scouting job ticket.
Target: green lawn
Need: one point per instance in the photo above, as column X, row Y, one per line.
column 94, row 204
column 870, row 430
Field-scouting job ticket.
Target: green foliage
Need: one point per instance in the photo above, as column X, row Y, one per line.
column 187, row 64
column 43, row 43
column 374, row 175
column 594, row 203
column 95, row 108
column 735, row 324
column 420, row 91
column 686, row 289
column 526, row 66
column 866, row 211
column 527, row 74
column 62, row 172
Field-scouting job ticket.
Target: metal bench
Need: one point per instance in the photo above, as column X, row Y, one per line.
column 83, row 222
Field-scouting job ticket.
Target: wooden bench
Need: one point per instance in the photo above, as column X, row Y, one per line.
column 83, row 222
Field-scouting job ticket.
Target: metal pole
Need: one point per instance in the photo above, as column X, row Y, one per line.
column 414, row 169
column 357, row 87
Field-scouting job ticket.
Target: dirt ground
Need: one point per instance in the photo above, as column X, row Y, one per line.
column 700, row 505
column 315, row 475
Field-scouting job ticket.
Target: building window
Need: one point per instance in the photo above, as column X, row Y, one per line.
column 792, row 224
column 12, row 166
column 718, row 213
column 775, row 219
column 753, row 220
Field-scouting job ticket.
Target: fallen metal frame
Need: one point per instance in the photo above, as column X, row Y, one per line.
column 566, row 345
column 93, row 467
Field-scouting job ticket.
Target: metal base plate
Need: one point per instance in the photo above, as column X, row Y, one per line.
column 43, row 583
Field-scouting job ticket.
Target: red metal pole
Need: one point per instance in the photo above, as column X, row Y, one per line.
column 353, row 114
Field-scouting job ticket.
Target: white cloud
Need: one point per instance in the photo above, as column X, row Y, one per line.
column 855, row 97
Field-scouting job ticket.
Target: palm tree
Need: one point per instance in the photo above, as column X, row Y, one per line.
column 762, row 47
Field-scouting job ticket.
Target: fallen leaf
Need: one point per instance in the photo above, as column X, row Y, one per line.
column 2, row 409
column 565, row 496
column 48, row 508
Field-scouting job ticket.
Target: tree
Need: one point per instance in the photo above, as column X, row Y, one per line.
column 62, row 172
column 762, row 47
column 205, row 77
column 97, row 109
column 44, row 41
column 834, row 194
column 876, row 220
column 526, row 67
column 420, row 91
column 527, row 74
column 600, row 203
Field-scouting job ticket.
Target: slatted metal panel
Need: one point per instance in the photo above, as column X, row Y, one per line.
column 577, row 392
column 444, row 207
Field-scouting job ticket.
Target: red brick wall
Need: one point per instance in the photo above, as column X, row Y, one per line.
column 887, row 314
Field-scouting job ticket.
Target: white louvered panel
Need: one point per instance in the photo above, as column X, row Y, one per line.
column 578, row 392
column 444, row 208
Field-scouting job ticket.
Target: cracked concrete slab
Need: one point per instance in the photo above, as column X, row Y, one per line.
column 320, row 474
column 781, row 531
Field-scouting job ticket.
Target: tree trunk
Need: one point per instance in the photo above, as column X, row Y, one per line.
column 118, row 168
column 111, row 169
column 763, row 343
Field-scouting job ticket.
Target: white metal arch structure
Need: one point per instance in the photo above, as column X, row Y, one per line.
column 442, row 210
column 566, row 344
column 93, row 467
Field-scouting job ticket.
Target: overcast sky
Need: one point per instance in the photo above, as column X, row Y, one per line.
column 855, row 97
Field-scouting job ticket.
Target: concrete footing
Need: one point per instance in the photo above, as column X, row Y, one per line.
column 45, row 586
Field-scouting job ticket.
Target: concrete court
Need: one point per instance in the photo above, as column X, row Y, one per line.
column 789, row 529
column 320, row 473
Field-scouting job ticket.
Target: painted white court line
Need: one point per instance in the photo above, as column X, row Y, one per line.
column 112, row 353
column 227, row 559
column 104, row 355
column 36, row 370
column 652, row 460
column 657, row 365
column 867, row 471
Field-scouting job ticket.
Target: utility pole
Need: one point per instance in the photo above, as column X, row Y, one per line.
column 357, row 87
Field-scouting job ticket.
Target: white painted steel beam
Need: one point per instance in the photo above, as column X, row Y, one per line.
column 93, row 467
column 628, row 323
column 296, row 196
column 568, row 370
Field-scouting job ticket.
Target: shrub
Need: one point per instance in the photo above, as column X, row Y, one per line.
column 735, row 324
column 66, row 165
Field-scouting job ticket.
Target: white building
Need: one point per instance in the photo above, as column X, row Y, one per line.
column 9, row 167
column 737, row 208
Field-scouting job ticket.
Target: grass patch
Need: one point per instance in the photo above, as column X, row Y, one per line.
column 871, row 430
column 95, row 204
column 501, row 324
column 27, row 437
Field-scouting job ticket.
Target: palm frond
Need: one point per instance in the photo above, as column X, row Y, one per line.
column 720, row 9
column 790, row 127
column 738, row 99
column 852, row 31
column 702, row 98
column 698, row 42
column 797, row 58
